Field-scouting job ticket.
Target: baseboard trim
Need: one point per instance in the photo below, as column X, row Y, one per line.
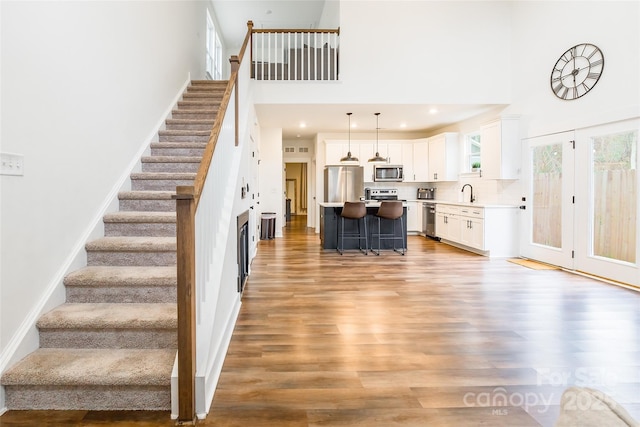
column 215, row 369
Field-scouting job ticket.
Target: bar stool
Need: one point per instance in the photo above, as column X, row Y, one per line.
column 390, row 211
column 357, row 211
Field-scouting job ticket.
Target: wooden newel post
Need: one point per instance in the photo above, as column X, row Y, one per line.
column 186, row 267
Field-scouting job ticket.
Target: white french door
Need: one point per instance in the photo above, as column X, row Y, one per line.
column 607, row 239
column 548, row 183
column 581, row 200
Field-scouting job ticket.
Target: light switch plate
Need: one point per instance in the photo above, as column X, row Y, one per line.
column 11, row 164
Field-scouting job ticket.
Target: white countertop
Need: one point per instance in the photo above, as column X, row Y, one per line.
column 475, row 204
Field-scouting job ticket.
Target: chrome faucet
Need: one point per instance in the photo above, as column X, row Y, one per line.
column 471, row 199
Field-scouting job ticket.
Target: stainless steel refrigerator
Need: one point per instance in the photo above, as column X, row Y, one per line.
column 343, row 183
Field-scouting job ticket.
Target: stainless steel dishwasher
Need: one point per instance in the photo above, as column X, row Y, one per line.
column 429, row 219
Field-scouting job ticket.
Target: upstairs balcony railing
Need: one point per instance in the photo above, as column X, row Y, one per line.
column 295, row 54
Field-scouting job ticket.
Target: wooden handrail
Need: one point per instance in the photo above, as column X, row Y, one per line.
column 207, row 156
column 305, row 30
column 187, row 199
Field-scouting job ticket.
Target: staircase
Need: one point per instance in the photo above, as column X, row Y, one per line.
column 112, row 345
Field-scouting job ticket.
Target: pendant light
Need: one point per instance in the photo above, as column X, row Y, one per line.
column 349, row 159
column 377, row 158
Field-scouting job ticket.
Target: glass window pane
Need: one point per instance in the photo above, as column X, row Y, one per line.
column 615, row 196
column 547, row 195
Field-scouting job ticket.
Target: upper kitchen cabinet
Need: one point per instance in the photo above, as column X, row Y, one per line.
column 443, row 157
column 336, row 149
column 500, row 153
column 421, row 160
column 367, row 151
column 393, row 152
column 407, row 162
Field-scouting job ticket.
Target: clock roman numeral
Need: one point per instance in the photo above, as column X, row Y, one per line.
column 596, row 63
column 593, row 76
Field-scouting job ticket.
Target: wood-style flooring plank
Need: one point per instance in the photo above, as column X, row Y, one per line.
column 438, row 337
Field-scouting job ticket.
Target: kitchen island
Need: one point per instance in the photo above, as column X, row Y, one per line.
column 329, row 223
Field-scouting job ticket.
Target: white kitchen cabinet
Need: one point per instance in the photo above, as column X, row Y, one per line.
column 335, row 150
column 407, row 161
column 367, row 151
column 393, row 153
column 472, row 227
column 414, row 217
column 421, row 160
column 489, row 230
column 448, row 222
column 500, row 152
column 444, row 164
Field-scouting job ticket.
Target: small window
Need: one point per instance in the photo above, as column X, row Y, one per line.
column 472, row 152
column 214, row 51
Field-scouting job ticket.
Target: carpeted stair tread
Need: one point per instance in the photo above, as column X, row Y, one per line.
column 188, row 144
column 180, row 132
column 132, row 244
column 146, row 195
column 164, row 175
column 122, row 276
column 80, row 367
column 170, row 159
column 196, row 122
column 140, row 217
column 110, row 316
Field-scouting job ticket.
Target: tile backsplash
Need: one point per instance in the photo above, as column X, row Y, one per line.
column 485, row 191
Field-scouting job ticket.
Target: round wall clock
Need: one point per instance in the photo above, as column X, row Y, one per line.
column 577, row 71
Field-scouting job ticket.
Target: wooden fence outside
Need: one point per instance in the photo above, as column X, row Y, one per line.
column 614, row 213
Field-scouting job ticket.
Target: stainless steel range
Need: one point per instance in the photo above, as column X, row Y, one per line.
column 379, row 194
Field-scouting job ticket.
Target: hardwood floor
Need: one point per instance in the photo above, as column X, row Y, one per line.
column 437, row 337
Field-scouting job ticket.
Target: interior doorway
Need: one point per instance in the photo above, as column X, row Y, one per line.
column 297, row 187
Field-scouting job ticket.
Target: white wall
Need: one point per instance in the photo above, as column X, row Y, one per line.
column 272, row 175
column 544, row 32
column 84, row 87
column 403, row 52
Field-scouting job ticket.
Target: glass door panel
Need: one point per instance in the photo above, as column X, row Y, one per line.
column 607, row 161
column 547, row 219
column 547, row 195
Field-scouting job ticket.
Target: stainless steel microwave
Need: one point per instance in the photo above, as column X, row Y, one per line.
column 388, row 173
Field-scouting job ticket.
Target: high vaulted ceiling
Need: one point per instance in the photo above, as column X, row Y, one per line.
column 305, row 121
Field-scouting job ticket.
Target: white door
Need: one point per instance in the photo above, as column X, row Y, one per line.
column 548, row 185
column 607, row 239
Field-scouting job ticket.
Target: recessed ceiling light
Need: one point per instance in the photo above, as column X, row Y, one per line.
column 303, row 125
column 433, row 111
column 403, row 125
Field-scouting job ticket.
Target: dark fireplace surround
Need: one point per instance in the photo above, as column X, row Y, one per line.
column 243, row 249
